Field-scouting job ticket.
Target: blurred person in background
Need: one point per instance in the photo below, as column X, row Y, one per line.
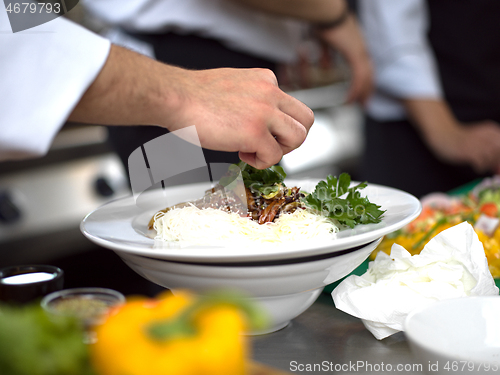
column 200, row 34
column 433, row 121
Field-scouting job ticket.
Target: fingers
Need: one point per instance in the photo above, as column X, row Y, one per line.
column 281, row 134
column 288, row 132
column 289, row 128
column 244, row 110
column 287, row 124
column 491, row 146
column 297, row 111
column 484, row 146
column 249, row 158
column 268, row 152
column 254, row 161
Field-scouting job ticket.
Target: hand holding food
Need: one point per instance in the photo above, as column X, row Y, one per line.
column 233, row 109
column 242, row 110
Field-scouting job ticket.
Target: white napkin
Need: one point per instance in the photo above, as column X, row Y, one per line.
column 451, row 265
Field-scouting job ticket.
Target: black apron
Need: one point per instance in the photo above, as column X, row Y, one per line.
column 465, row 37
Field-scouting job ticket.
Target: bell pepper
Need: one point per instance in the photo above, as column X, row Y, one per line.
column 490, row 209
column 177, row 334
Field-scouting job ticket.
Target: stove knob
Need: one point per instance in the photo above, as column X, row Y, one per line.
column 9, row 212
column 103, row 187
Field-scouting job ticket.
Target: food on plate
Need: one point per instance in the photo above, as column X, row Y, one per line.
column 264, row 209
column 441, row 211
column 217, row 227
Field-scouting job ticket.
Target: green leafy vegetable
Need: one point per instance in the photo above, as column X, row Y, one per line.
column 334, row 198
column 33, row 343
column 490, row 196
column 488, row 191
column 337, row 200
column 266, row 182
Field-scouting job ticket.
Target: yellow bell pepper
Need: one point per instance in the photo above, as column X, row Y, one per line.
column 176, row 335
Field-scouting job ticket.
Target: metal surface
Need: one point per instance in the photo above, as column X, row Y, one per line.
column 43, row 200
column 59, row 196
column 324, row 340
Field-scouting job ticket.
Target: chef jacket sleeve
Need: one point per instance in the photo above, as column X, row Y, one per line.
column 44, row 71
column 396, row 35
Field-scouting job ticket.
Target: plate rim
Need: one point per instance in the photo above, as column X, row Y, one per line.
column 183, row 254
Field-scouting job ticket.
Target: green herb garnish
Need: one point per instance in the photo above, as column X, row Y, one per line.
column 265, row 182
column 33, row 342
column 335, row 199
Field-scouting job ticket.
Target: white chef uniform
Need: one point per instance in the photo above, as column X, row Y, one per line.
column 405, row 67
column 427, row 49
column 44, row 71
column 238, row 27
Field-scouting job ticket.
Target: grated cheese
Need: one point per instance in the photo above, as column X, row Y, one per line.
column 193, row 226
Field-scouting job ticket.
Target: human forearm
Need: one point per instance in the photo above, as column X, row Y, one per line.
column 347, row 39
column 233, row 109
column 476, row 144
column 432, row 117
column 117, row 98
column 321, row 11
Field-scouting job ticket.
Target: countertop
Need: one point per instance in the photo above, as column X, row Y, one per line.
column 325, row 340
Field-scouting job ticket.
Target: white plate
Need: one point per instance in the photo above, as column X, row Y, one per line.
column 122, row 226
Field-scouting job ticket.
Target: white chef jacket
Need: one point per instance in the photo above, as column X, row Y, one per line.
column 405, row 67
column 238, row 27
column 44, row 71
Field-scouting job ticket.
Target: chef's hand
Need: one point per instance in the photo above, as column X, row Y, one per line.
column 347, row 39
column 233, row 109
column 242, row 110
column 476, row 144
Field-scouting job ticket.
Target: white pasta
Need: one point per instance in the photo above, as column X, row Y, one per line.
column 191, row 225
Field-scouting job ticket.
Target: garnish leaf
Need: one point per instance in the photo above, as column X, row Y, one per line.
column 262, row 181
column 337, row 200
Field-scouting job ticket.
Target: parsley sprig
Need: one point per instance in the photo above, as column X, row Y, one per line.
column 334, row 198
column 337, row 200
column 265, row 182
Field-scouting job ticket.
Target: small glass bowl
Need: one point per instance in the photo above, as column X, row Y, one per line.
column 27, row 283
column 88, row 305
